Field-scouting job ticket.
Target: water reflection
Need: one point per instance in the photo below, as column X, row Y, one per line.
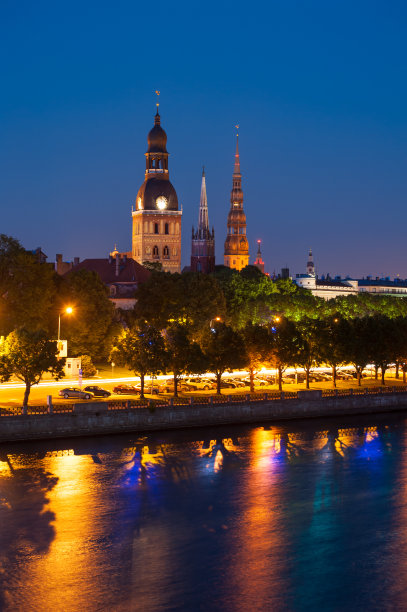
column 280, row 518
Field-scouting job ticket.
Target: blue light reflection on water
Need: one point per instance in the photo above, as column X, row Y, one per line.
column 306, row 516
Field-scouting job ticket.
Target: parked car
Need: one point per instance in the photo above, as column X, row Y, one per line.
column 154, row 388
column 127, row 390
column 344, row 375
column 227, row 384
column 320, row 377
column 198, row 384
column 258, row 382
column 74, row 392
column 168, row 386
column 97, row 391
column 239, row 382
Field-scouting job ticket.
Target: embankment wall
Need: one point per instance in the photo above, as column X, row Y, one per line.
column 95, row 418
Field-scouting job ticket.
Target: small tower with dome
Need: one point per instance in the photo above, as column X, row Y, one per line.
column 156, row 216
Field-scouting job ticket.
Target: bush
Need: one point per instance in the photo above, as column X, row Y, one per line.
column 88, row 369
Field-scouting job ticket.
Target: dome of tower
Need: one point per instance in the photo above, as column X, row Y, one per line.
column 157, row 138
column 157, row 194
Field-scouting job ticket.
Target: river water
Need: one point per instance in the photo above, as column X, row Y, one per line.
column 300, row 516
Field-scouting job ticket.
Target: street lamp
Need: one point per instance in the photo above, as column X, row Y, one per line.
column 68, row 310
column 217, row 319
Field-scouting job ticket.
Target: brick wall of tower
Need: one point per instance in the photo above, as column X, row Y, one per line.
column 157, row 238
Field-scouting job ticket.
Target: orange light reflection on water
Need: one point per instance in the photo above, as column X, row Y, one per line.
column 258, row 536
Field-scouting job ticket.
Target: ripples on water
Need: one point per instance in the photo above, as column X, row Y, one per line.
column 309, row 516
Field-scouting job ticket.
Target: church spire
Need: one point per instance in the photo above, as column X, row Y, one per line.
column 236, row 253
column 258, row 262
column 203, row 221
column 203, row 240
column 237, row 158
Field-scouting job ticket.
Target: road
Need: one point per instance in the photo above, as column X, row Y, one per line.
column 11, row 394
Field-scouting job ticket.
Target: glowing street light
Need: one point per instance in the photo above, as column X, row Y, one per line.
column 68, row 310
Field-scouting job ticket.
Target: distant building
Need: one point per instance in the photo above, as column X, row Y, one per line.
column 203, row 240
column 384, row 286
column 324, row 287
column 328, row 288
column 156, row 233
column 39, row 255
column 258, row 262
column 120, row 273
column 62, row 267
column 236, row 254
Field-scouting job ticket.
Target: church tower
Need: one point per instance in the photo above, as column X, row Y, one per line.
column 236, row 254
column 310, row 264
column 156, row 218
column 259, row 263
column 203, row 240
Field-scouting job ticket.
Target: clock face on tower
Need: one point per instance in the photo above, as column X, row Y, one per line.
column 161, row 202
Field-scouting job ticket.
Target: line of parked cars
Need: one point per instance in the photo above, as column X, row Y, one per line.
column 199, row 383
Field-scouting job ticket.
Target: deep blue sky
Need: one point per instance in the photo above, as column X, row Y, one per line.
column 319, row 89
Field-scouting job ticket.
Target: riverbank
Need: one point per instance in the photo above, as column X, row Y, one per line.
column 98, row 418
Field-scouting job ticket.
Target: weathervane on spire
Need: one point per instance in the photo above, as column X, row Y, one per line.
column 237, row 128
column 158, row 98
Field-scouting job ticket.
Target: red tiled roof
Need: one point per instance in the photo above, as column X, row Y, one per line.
column 129, row 270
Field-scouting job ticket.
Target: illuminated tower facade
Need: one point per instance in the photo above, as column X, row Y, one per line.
column 203, row 240
column 156, row 233
column 236, row 253
column 259, row 263
column 310, row 264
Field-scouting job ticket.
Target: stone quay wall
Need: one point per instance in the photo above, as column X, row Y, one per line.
column 96, row 418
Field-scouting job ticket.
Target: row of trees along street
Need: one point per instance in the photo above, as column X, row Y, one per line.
column 189, row 323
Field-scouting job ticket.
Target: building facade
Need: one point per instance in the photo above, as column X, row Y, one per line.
column 203, row 240
column 156, row 234
column 236, row 253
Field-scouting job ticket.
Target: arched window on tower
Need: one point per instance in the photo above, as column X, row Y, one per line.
column 166, row 253
column 166, row 230
column 156, row 254
column 156, row 230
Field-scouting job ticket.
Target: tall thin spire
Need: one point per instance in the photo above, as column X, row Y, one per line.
column 237, row 158
column 157, row 115
column 203, row 240
column 203, row 221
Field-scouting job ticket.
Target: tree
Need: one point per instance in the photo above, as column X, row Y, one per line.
column 384, row 334
column 258, row 343
column 91, row 328
column 183, row 355
column 332, row 342
column 142, row 350
column 357, row 344
column 27, row 288
column 309, row 354
column 223, row 349
column 191, row 298
column 286, row 345
column 88, row 369
column 28, row 355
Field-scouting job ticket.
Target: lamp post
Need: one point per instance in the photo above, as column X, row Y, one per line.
column 68, row 310
column 217, row 319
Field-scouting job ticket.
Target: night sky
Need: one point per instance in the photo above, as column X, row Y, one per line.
column 319, row 89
